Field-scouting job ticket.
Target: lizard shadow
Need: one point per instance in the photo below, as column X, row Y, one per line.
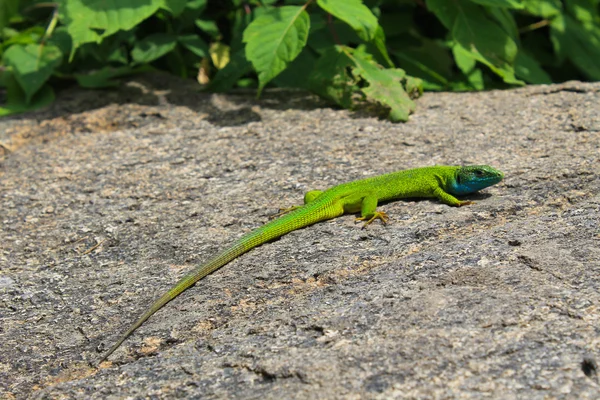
column 472, row 197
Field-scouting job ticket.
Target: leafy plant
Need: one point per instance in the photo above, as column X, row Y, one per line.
column 348, row 51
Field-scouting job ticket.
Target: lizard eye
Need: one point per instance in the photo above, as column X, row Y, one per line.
column 479, row 172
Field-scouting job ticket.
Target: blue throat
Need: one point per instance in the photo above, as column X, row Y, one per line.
column 470, row 187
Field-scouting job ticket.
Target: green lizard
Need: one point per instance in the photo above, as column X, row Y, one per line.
column 441, row 182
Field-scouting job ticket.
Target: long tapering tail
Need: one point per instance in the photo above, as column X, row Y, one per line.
column 299, row 218
column 184, row 283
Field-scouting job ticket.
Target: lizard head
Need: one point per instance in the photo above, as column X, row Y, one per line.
column 472, row 178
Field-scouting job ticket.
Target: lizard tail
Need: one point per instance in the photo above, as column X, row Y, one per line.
column 304, row 216
column 184, row 283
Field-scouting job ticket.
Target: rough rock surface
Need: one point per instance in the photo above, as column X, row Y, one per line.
column 108, row 197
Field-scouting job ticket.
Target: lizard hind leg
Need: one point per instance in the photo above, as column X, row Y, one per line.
column 369, row 213
column 308, row 198
column 283, row 211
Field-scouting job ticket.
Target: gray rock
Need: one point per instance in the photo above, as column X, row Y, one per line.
column 108, row 197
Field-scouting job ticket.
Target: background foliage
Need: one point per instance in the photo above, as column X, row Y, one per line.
column 349, row 51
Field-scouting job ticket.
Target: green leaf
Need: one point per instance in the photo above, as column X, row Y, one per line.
column 385, row 86
column 467, row 64
column 330, row 78
column 227, row 77
column 478, row 34
column 92, row 20
column 186, row 20
column 153, row 47
column 528, row 69
column 118, row 55
column 209, row 27
column 579, row 43
column 197, row 5
column 17, row 102
column 543, row 8
column 61, row 39
column 241, row 20
column 274, row 39
column 464, row 59
column 8, row 8
column 103, row 78
column 379, row 43
column 31, row 35
column 297, row 74
column 113, row 49
column 355, row 14
column 507, row 21
column 431, row 61
column 585, row 11
column 195, row 44
column 32, row 65
column 175, row 7
column 413, row 87
column 321, row 38
column 514, row 4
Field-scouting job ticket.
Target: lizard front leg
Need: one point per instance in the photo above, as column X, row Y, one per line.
column 447, row 198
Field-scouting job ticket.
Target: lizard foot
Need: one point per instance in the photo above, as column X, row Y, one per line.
column 376, row 215
column 465, row 203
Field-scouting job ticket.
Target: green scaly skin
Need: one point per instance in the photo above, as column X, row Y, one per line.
column 441, row 182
